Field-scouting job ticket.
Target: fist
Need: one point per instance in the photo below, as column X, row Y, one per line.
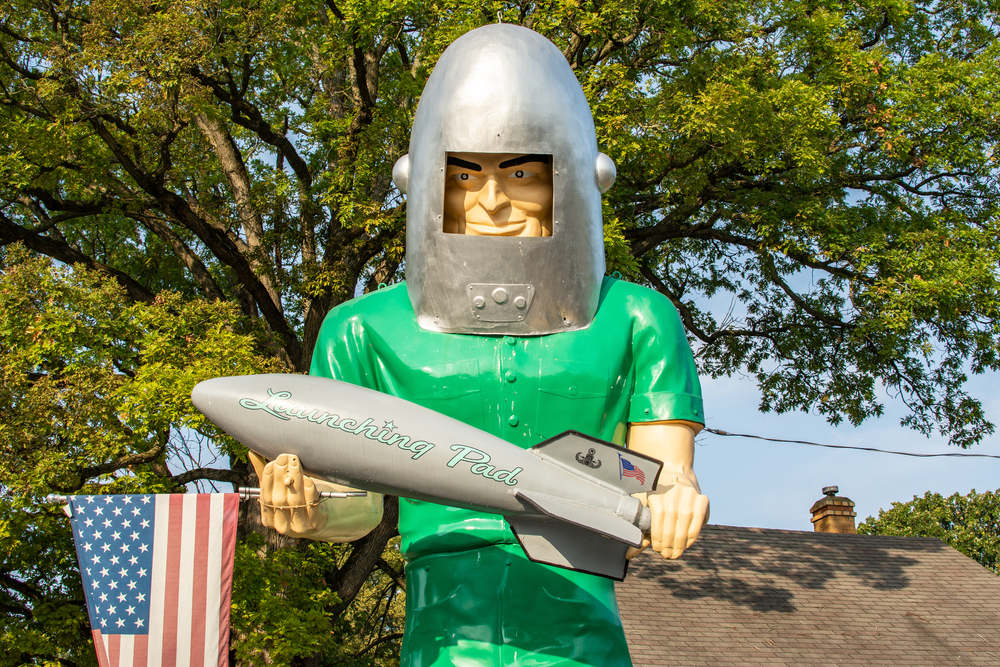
column 290, row 503
column 678, row 513
column 289, row 499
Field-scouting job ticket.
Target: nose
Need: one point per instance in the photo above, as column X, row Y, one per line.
column 492, row 198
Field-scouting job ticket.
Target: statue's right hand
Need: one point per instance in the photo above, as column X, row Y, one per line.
column 289, row 499
column 290, row 503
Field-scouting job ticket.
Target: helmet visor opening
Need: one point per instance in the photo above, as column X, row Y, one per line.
column 498, row 194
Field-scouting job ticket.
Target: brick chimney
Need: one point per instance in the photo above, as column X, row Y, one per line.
column 833, row 514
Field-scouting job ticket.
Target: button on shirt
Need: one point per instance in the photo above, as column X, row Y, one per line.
column 632, row 364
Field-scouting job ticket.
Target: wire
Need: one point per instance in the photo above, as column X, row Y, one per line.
column 864, row 449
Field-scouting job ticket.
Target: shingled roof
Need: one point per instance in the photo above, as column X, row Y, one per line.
column 745, row 596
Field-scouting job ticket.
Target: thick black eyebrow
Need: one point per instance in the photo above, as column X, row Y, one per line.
column 464, row 164
column 524, row 159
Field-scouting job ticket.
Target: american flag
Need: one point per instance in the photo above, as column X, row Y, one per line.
column 630, row 470
column 157, row 570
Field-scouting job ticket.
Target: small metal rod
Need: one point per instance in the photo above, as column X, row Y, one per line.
column 247, row 493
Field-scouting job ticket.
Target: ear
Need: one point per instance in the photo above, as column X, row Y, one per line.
column 401, row 173
column 606, row 172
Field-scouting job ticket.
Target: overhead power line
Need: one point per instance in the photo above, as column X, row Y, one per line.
column 716, row 431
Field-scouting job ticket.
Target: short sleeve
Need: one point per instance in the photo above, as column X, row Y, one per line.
column 340, row 352
column 666, row 380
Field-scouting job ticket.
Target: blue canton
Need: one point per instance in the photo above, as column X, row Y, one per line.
column 114, row 546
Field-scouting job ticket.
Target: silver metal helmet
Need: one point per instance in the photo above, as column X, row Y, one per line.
column 505, row 89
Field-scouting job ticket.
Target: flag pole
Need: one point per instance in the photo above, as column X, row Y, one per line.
column 246, row 493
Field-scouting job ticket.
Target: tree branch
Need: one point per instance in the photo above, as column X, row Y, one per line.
column 10, row 232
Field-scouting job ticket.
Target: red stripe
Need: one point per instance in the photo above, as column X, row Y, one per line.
column 172, row 579
column 140, row 651
column 102, row 656
column 114, row 649
column 199, row 577
column 232, row 508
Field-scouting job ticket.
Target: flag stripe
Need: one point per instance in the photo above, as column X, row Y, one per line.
column 199, row 575
column 158, row 587
column 231, row 505
column 125, row 650
column 141, row 651
column 212, row 576
column 168, row 653
column 189, row 513
column 114, row 648
column 102, row 654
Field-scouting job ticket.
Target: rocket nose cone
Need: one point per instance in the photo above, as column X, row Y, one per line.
column 208, row 394
column 201, row 395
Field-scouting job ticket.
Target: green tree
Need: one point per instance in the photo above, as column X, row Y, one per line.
column 970, row 524
column 216, row 172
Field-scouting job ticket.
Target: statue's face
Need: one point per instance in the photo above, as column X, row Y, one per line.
column 498, row 194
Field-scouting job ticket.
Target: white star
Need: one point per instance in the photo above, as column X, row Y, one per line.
column 90, row 499
column 112, row 584
column 138, row 622
column 126, row 524
column 123, row 572
column 118, row 511
column 120, row 622
column 98, row 510
column 143, row 547
column 114, row 560
column 121, row 597
column 96, row 559
column 124, row 547
column 104, row 571
column 127, row 500
column 104, row 597
column 134, row 535
column 142, row 597
column 142, row 572
column 97, row 534
column 145, row 500
column 116, row 535
column 133, row 560
column 108, row 499
column 145, row 523
column 389, row 426
column 107, row 523
column 111, row 610
column 88, row 571
column 95, row 585
column 131, row 585
column 105, row 547
column 104, row 622
column 135, row 511
column 131, row 610
column 86, row 547
column 88, row 523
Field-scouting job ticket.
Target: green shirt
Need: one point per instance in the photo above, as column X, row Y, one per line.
column 632, row 364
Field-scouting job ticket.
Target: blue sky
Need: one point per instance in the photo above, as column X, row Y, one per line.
column 772, row 485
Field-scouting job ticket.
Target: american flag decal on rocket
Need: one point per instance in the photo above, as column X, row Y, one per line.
column 627, row 469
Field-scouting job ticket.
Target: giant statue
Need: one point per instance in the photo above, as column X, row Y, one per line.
column 507, row 322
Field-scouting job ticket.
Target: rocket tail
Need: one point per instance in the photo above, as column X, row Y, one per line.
column 572, row 547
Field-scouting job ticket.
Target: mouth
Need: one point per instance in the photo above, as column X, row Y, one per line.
column 490, row 228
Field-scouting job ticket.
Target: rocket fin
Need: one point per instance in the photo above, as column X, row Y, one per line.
column 615, row 466
column 572, row 547
column 609, row 525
